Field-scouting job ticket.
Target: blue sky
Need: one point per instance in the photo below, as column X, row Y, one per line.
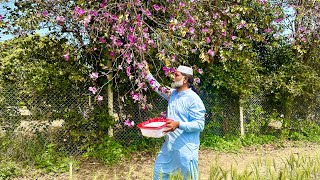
column 3, row 12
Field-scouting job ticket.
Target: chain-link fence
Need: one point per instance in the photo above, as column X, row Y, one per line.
column 61, row 116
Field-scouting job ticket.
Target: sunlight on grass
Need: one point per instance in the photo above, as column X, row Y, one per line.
column 294, row 167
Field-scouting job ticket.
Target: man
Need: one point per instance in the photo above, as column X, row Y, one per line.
column 185, row 112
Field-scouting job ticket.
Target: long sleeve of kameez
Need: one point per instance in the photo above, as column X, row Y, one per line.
column 196, row 112
column 162, row 91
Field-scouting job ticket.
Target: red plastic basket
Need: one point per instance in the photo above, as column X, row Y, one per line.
column 143, row 124
column 153, row 131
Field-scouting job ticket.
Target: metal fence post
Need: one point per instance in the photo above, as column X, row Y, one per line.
column 241, row 118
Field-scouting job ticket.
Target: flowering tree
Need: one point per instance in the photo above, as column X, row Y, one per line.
column 119, row 37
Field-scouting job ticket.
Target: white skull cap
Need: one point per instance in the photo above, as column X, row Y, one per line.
column 186, row 70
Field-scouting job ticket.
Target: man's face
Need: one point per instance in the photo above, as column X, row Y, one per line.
column 178, row 80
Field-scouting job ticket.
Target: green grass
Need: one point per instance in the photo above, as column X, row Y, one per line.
column 294, row 167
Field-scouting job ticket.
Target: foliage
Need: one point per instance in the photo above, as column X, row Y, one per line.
column 222, row 144
column 234, row 143
column 85, row 129
column 52, row 161
column 294, row 167
column 120, row 36
column 9, row 170
column 33, row 69
column 35, row 152
column 108, row 151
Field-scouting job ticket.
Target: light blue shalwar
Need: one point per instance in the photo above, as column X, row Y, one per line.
column 179, row 153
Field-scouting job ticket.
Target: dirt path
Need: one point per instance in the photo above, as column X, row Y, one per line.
column 140, row 167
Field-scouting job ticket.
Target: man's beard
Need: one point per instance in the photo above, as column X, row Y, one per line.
column 177, row 84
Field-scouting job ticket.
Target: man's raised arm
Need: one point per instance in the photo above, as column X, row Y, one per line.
column 156, row 86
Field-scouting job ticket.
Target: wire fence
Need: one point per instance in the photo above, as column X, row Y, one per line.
column 29, row 114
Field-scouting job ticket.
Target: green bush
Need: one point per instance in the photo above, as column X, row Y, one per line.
column 234, row 143
column 108, row 151
column 35, row 151
column 9, row 170
column 231, row 144
column 53, row 161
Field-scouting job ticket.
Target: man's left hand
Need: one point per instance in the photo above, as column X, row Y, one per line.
column 171, row 125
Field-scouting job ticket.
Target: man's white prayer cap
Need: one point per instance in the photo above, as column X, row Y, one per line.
column 185, row 70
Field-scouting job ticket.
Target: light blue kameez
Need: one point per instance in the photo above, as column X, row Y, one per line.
column 179, row 153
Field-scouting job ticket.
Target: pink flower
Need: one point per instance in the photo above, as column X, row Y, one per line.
column 234, row 37
column 163, row 114
column 93, row 13
column 135, row 97
column 200, row 71
column 215, row 15
column 101, row 40
column 208, row 40
column 211, row 52
column 132, row 39
column 128, row 71
column 164, row 90
column 241, row 24
column 191, row 30
column 163, row 9
column 66, row 56
column 87, row 20
column 264, row 2
column 151, row 42
column 173, row 57
column 78, row 11
column 112, row 53
column 173, row 70
column 224, row 33
column 102, row 5
column 60, row 20
column 156, row 7
column 44, row 13
column 162, row 52
column 129, row 123
column 268, row 30
column 146, row 35
column 205, row 30
column 1, row 17
column 94, row 75
column 99, row 98
column 138, row 2
column 119, row 43
column 197, row 80
column 278, row 20
column 182, row 4
column 146, row 12
column 152, row 81
column 166, row 70
column 128, row 59
column 141, row 85
column 143, row 47
column 140, row 66
column 120, row 30
column 93, row 90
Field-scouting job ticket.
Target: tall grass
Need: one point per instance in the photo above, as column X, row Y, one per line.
column 293, row 167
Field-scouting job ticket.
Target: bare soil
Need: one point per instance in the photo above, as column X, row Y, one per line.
column 140, row 166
